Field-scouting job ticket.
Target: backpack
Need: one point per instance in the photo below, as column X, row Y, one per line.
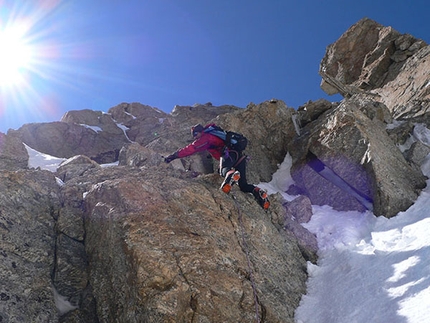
column 233, row 140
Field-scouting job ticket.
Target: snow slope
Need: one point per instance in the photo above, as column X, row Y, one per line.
column 370, row 269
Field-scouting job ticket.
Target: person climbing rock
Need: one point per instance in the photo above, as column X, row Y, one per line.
column 227, row 147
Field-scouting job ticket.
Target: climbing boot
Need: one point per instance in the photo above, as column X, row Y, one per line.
column 232, row 177
column 261, row 197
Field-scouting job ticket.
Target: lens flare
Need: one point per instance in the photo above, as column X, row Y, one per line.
column 27, row 57
column 15, row 55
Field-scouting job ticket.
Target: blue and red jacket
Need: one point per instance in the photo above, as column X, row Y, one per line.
column 213, row 144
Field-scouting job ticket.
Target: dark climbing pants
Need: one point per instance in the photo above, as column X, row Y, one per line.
column 232, row 159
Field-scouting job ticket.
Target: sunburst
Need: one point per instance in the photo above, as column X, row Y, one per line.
column 15, row 56
column 28, row 57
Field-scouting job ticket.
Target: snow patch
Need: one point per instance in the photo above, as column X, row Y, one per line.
column 408, row 238
column 394, row 125
column 128, row 113
column 59, row 181
column 93, row 128
column 44, row 161
column 110, row 164
column 296, row 123
column 422, row 134
column 62, row 304
column 124, row 130
column 337, row 229
column 281, row 180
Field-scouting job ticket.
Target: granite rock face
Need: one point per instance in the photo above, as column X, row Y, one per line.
column 360, row 152
column 62, row 139
column 29, row 207
column 367, row 56
column 13, row 155
column 393, row 67
column 182, row 247
column 385, row 75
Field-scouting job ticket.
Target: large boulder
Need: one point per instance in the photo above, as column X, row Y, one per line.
column 96, row 120
column 164, row 249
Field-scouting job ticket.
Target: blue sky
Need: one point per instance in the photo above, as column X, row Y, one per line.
column 96, row 54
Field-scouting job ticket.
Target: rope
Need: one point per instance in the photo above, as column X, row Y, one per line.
column 245, row 246
column 239, row 161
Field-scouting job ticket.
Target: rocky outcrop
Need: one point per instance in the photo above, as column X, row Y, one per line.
column 74, row 167
column 182, row 247
column 13, row 155
column 141, row 123
column 85, row 132
column 383, row 74
column 201, row 111
column 358, row 149
column 394, row 68
column 297, row 212
column 367, row 56
column 29, row 208
column 408, row 95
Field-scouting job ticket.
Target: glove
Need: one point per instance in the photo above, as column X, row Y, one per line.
column 171, row 157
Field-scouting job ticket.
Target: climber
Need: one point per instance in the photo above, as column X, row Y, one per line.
column 232, row 161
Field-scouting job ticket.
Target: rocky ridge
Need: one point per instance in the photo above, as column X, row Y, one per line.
column 144, row 241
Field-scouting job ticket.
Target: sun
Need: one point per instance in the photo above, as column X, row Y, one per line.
column 15, row 56
column 38, row 59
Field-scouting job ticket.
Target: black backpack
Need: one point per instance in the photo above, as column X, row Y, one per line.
column 233, row 140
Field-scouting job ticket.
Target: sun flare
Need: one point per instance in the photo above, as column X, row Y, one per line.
column 15, row 56
column 28, row 58
column 41, row 57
